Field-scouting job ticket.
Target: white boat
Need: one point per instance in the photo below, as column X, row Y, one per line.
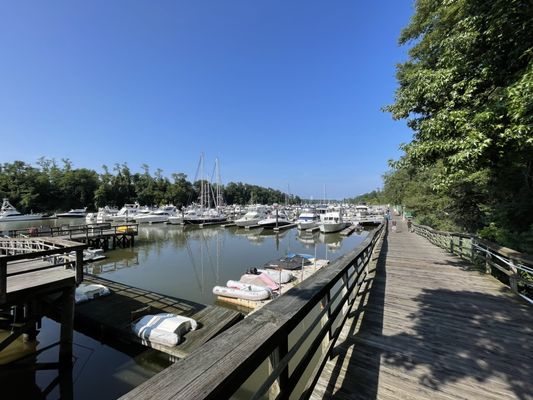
column 239, row 290
column 74, row 213
column 331, row 222
column 162, row 214
column 280, row 276
column 308, row 219
column 127, row 213
column 10, row 213
column 196, row 216
column 252, row 217
column 164, row 329
column 275, row 219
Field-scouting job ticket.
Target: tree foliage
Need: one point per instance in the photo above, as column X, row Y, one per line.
column 49, row 187
column 467, row 93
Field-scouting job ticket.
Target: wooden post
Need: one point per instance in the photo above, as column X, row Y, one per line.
column 488, row 268
column 513, row 279
column 3, row 280
column 79, row 266
column 67, row 327
column 280, row 385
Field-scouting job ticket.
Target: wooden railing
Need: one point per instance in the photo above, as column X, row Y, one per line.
column 515, row 266
column 56, row 251
column 89, row 230
column 282, row 347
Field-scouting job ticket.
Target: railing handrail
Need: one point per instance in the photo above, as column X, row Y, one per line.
column 508, row 261
column 62, row 249
column 219, row 367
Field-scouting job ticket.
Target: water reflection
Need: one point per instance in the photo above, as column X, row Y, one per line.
column 184, row 262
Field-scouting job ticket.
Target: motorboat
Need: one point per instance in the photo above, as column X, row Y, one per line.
column 128, row 212
column 308, row 219
column 10, row 213
column 74, row 213
column 331, row 222
column 274, row 220
column 252, row 217
column 162, row 214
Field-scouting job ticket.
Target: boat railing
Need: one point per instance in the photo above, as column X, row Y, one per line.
column 282, row 347
column 510, row 266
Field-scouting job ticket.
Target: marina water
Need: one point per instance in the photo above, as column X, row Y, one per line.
column 184, row 262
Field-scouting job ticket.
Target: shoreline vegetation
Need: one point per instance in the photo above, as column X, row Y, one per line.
column 49, row 187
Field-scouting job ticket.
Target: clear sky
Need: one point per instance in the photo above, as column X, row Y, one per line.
column 284, row 93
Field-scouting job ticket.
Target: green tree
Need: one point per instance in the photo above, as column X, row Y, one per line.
column 467, row 92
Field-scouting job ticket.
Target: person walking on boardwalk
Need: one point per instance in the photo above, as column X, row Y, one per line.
column 394, row 226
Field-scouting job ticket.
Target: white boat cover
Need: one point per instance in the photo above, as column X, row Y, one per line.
column 86, row 292
column 165, row 329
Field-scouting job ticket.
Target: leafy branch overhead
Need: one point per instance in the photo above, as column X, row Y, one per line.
column 466, row 91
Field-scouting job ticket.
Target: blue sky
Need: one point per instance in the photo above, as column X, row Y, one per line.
column 282, row 92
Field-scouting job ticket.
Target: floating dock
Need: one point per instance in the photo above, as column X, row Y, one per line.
column 300, row 275
column 348, row 230
column 111, row 316
column 284, row 227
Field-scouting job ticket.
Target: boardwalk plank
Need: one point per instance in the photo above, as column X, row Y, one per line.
column 431, row 326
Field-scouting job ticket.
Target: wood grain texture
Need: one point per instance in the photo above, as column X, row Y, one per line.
column 430, row 326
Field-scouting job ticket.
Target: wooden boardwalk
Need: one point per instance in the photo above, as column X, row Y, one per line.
column 111, row 316
column 429, row 326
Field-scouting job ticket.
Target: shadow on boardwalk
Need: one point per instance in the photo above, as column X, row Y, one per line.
column 441, row 343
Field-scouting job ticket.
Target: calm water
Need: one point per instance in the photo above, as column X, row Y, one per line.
column 184, row 262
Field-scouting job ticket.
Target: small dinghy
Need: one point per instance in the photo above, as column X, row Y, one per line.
column 245, row 291
column 259, row 279
column 278, row 276
column 164, row 329
column 86, row 292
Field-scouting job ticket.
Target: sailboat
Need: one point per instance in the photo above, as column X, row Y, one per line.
column 204, row 213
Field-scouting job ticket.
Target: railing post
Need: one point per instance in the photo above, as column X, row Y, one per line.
column 488, row 268
column 3, row 280
column 513, row 279
column 451, row 243
column 79, row 266
column 279, row 387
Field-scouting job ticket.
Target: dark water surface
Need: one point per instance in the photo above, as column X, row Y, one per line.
column 184, row 262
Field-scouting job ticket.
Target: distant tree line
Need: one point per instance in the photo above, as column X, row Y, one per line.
column 466, row 91
column 51, row 186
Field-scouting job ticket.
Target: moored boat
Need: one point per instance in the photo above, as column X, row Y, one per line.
column 74, row 213
column 10, row 213
column 239, row 290
column 332, row 221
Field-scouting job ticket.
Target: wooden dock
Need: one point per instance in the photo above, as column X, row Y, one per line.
column 284, row 227
column 348, row 230
column 430, row 326
column 30, row 270
column 111, row 316
column 103, row 236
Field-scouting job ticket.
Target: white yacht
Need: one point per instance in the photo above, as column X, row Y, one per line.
column 308, row 219
column 127, row 213
column 252, row 217
column 274, row 220
column 74, row 213
column 332, row 221
column 10, row 213
column 162, row 214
